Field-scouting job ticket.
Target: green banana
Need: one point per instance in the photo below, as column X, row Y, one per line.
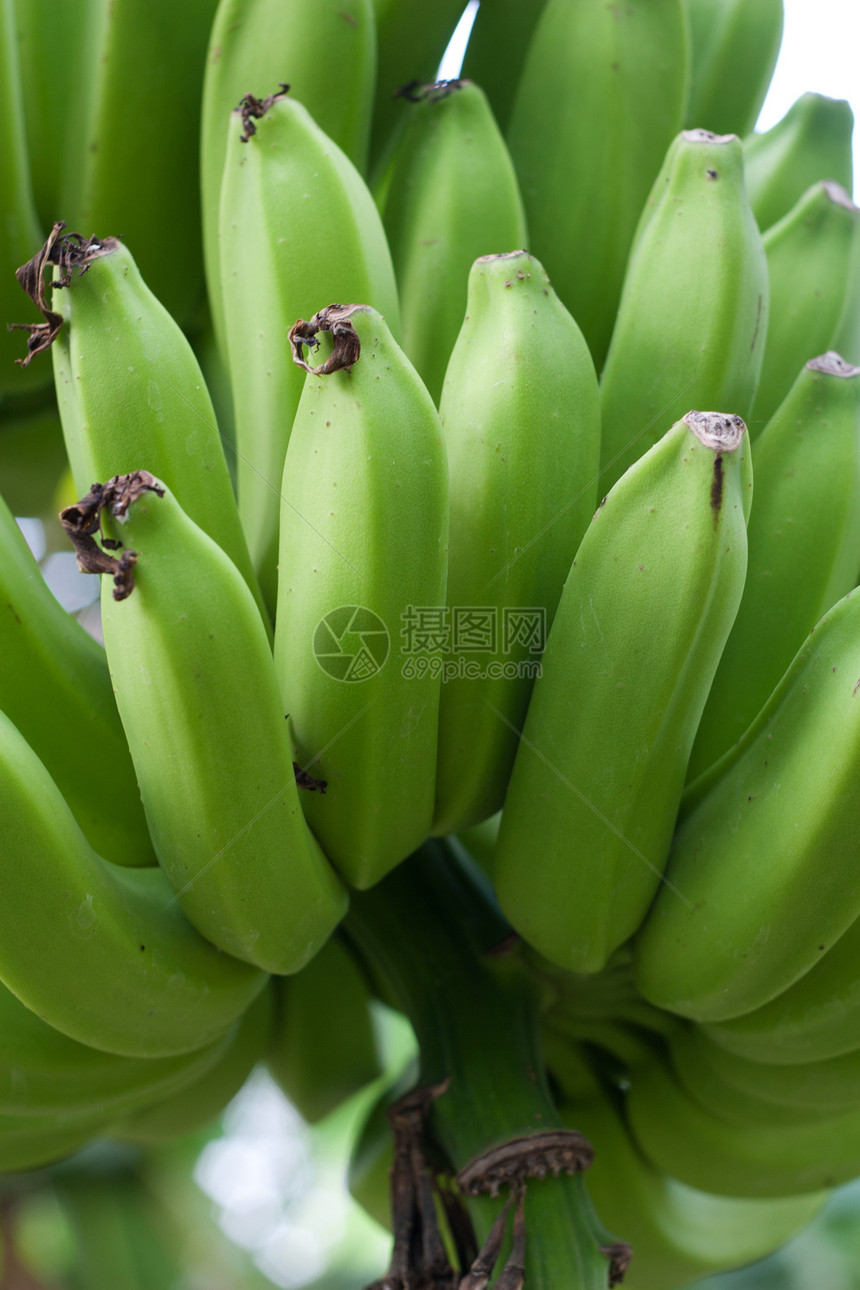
column 198, row 697
column 776, row 821
column 587, row 135
column 479, row 842
column 804, row 540
column 130, row 390
column 677, row 1232
column 197, row 1103
column 27, row 1142
column 101, row 952
column 412, row 36
column 297, row 225
column 521, row 417
column 762, row 1092
column 54, row 90
column 742, row 1108
column 808, row 257
column 816, row 1019
column 327, row 53
column 734, row 46
column 501, row 34
column 676, row 345
column 323, row 1046
column 137, row 92
column 642, row 620
column 20, row 221
column 812, row 142
column 712, row 1154
column 363, row 558
column 847, row 338
column 55, row 687
column 44, row 1072
column 452, row 197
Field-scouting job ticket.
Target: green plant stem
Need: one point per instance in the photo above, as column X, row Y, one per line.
column 423, row 934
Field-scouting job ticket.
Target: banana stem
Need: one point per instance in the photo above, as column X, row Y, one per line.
column 423, row 934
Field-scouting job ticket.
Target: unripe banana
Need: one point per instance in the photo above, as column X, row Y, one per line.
column 776, row 821
column 677, row 1232
column 734, row 46
column 327, row 53
column 520, row 412
column 498, row 44
column 100, row 952
column 847, row 338
column 817, row 1019
column 20, row 222
column 323, row 1046
column 453, row 196
column 412, row 37
column 28, row 1141
column 198, row 696
column 44, row 1072
column 829, row 1084
column 587, row 135
column 710, row 1153
column 52, row 135
column 55, row 687
column 132, row 161
column 363, row 557
column 297, row 225
column 480, row 842
column 808, row 258
column 751, row 1093
column 674, row 344
column 812, row 142
column 129, row 388
column 642, row 620
column 197, row 1103
column 804, row 544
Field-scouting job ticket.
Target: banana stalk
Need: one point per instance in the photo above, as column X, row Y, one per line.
column 422, row 933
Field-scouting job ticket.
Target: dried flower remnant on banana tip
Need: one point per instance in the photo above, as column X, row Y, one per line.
column 83, row 519
column 67, row 252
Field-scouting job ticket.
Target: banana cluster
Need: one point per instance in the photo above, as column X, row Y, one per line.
column 474, row 459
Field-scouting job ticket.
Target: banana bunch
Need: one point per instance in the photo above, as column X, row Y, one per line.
column 472, row 470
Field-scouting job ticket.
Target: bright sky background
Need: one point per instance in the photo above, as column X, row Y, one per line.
column 820, row 51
